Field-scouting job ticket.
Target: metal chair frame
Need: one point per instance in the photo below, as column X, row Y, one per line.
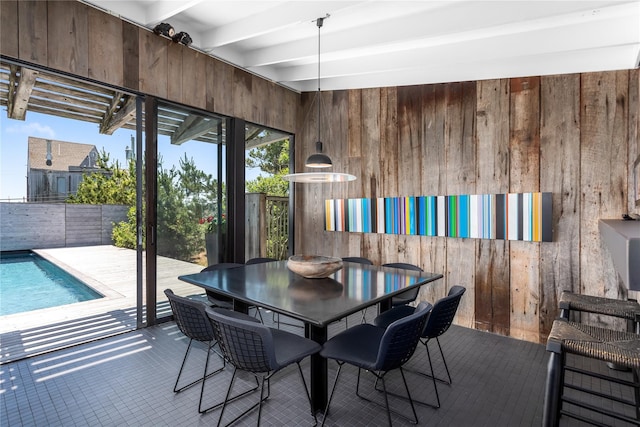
column 439, row 321
column 396, row 346
column 251, row 347
column 189, row 318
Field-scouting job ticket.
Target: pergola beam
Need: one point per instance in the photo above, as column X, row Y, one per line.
column 17, row 109
column 117, row 120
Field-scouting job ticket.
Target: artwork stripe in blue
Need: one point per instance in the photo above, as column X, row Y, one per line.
column 463, row 216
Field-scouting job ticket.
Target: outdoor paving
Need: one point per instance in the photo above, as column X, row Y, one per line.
column 109, row 270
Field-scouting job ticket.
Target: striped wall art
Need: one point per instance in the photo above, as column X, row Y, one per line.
column 513, row 216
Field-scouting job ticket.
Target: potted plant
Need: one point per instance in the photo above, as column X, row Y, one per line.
column 215, row 231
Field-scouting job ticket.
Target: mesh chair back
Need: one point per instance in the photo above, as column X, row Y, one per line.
column 259, row 260
column 411, row 294
column 401, row 338
column 247, row 345
column 357, row 259
column 443, row 313
column 191, row 317
column 402, row 265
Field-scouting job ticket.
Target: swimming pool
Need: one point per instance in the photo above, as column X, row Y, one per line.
column 29, row 282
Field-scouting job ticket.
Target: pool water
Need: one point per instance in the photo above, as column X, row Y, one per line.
column 29, row 282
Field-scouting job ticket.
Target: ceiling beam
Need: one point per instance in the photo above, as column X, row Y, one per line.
column 161, row 11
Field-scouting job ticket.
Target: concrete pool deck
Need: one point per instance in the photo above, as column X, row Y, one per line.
column 110, row 271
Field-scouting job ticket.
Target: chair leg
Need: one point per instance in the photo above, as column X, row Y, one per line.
column 380, row 377
column 204, row 377
column 433, row 377
column 227, row 399
column 306, row 390
column 445, row 364
column 333, row 389
column 551, row 407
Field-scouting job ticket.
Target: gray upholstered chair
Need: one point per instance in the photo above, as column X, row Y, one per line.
column 192, row 320
column 440, row 319
column 378, row 351
column 258, row 349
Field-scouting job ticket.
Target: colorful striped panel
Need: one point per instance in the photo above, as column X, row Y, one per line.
column 512, row 216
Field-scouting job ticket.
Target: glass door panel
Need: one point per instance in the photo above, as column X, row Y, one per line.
column 191, row 226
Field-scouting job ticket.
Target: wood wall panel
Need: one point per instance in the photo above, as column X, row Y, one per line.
column 9, row 29
column 153, row 64
column 492, row 290
column 106, row 48
column 131, row 52
column 603, row 182
column 460, row 161
column 524, row 175
column 410, row 140
column 560, row 175
column 68, row 37
column 32, row 26
column 175, row 67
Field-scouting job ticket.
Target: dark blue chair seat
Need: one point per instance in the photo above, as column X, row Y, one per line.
column 255, row 348
column 378, row 351
column 192, row 320
column 439, row 321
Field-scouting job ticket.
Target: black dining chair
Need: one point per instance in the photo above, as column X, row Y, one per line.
column 258, row 349
column 440, row 319
column 216, row 299
column 404, row 297
column 259, row 260
column 358, row 260
column 378, row 351
column 408, row 296
column 192, row 320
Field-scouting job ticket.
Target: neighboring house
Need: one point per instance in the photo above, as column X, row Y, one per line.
column 55, row 168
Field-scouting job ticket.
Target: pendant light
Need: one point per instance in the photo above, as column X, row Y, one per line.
column 319, row 160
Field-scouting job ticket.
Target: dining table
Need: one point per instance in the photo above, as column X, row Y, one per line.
column 315, row 302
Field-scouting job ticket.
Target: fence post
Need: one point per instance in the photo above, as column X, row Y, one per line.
column 256, row 230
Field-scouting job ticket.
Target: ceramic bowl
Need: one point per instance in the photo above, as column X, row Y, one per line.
column 314, row 266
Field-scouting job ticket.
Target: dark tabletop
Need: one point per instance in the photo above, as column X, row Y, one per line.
column 315, row 301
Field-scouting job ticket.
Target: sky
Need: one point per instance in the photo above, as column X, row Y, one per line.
column 14, row 136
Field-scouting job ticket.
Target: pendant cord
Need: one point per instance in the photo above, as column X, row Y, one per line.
column 319, row 23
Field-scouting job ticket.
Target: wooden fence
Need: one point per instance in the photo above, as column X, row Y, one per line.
column 26, row 226
column 267, row 226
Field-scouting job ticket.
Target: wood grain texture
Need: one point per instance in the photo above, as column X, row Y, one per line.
column 560, row 175
column 68, row 37
column 32, row 26
column 131, row 52
column 410, row 140
column 524, row 176
column 603, row 182
column 492, row 286
column 153, row 64
column 9, row 29
column 175, row 67
column 460, row 161
column 106, row 48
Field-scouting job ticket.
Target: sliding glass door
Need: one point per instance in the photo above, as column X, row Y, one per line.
column 191, row 227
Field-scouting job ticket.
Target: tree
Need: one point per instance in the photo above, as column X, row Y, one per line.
column 272, row 159
column 110, row 185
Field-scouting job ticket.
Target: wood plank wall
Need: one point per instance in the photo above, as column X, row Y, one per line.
column 75, row 38
column 573, row 135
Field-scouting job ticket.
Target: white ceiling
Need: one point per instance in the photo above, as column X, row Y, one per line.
column 395, row 43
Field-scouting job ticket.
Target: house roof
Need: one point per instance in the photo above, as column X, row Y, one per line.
column 65, row 155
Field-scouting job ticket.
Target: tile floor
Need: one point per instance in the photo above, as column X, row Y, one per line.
column 127, row 380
